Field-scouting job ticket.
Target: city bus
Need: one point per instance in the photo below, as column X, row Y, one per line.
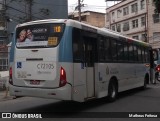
column 69, row 60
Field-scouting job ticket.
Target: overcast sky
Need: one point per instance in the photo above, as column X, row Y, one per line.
column 95, row 5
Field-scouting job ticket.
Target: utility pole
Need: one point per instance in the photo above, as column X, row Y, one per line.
column 28, row 7
column 30, row 10
column 4, row 13
column 79, row 9
column 5, row 20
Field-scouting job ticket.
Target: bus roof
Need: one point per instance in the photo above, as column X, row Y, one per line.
column 77, row 24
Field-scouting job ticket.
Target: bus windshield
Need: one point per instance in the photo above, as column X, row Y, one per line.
column 39, row 35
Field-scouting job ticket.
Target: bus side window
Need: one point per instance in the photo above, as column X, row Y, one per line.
column 104, row 49
column 139, row 54
column 143, row 55
column 147, row 55
column 131, row 55
column 120, row 51
column 125, row 51
column 114, row 49
column 135, row 53
column 77, row 46
column 101, row 49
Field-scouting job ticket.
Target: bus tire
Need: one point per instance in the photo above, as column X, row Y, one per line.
column 112, row 91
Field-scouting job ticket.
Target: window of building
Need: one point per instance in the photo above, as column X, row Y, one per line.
column 1, row 42
column 143, row 21
column 126, row 26
column 156, row 18
column 84, row 18
column 107, row 16
column 135, row 37
column 118, row 27
column 3, row 64
column 113, row 28
column 113, row 16
column 144, row 37
column 135, row 23
column 142, row 4
column 118, row 13
column 107, row 27
column 125, row 11
column 156, row 36
column 2, row 23
column 134, row 8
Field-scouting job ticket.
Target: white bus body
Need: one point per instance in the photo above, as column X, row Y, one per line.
column 69, row 60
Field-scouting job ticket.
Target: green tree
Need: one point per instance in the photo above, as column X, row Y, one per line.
column 157, row 6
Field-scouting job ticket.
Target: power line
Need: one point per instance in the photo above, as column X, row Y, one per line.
column 40, row 14
column 47, row 4
column 18, row 10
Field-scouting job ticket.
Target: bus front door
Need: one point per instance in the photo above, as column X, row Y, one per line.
column 84, row 57
column 90, row 45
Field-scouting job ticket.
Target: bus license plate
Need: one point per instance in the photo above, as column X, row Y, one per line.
column 35, row 82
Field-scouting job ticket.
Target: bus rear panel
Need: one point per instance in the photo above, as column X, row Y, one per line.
column 36, row 70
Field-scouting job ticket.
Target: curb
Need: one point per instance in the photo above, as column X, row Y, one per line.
column 5, row 99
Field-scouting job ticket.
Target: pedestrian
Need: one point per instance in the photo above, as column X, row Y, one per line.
column 7, row 88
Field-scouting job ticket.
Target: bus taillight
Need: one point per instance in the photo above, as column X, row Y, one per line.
column 63, row 80
column 158, row 68
column 10, row 76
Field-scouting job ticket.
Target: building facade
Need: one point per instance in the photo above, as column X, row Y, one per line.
column 3, row 32
column 136, row 19
column 90, row 17
column 13, row 12
column 3, row 39
column 153, row 25
column 19, row 11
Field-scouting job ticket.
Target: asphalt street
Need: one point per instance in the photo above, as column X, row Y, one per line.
column 134, row 101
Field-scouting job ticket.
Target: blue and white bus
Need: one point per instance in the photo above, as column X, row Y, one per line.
column 69, row 60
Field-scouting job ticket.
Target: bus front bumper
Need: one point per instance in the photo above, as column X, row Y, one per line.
column 62, row 93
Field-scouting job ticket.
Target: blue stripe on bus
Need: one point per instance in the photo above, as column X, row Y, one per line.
column 11, row 55
column 65, row 47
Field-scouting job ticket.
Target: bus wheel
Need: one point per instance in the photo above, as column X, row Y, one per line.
column 112, row 91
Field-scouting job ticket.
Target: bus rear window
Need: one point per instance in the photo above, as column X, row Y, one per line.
column 39, row 35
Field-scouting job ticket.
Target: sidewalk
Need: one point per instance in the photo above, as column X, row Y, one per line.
column 4, row 77
column 2, row 96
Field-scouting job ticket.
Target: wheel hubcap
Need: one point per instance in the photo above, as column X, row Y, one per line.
column 113, row 91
